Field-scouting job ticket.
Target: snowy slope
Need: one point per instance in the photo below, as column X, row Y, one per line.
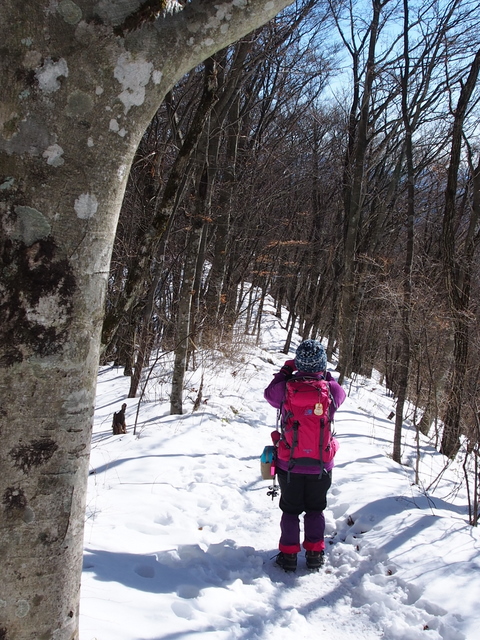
column 180, row 533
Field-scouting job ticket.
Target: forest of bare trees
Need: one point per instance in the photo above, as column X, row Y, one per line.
column 331, row 159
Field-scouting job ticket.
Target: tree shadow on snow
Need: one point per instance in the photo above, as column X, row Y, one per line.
column 188, row 572
column 184, row 571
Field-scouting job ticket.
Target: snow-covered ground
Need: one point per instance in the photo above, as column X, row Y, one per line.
column 180, row 533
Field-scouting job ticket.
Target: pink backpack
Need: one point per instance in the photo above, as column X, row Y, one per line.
column 306, row 434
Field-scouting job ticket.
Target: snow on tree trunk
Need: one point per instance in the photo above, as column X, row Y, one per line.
column 76, row 98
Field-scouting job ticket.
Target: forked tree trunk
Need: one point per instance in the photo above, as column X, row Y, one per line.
column 184, row 318
column 354, row 194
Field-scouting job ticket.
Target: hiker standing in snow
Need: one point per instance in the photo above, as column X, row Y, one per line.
column 304, row 481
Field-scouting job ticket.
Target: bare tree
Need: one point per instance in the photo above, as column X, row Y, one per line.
column 417, row 76
column 365, row 71
column 458, row 264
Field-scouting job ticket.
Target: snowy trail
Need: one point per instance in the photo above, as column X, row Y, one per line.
column 231, row 589
column 180, row 533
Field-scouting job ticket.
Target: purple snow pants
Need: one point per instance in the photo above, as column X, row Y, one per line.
column 303, row 492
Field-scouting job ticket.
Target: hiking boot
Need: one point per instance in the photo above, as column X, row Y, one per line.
column 288, row 561
column 315, row 559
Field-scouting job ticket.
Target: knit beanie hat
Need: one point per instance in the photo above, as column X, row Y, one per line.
column 311, row 357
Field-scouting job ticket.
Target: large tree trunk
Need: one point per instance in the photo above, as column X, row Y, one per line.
column 76, row 100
